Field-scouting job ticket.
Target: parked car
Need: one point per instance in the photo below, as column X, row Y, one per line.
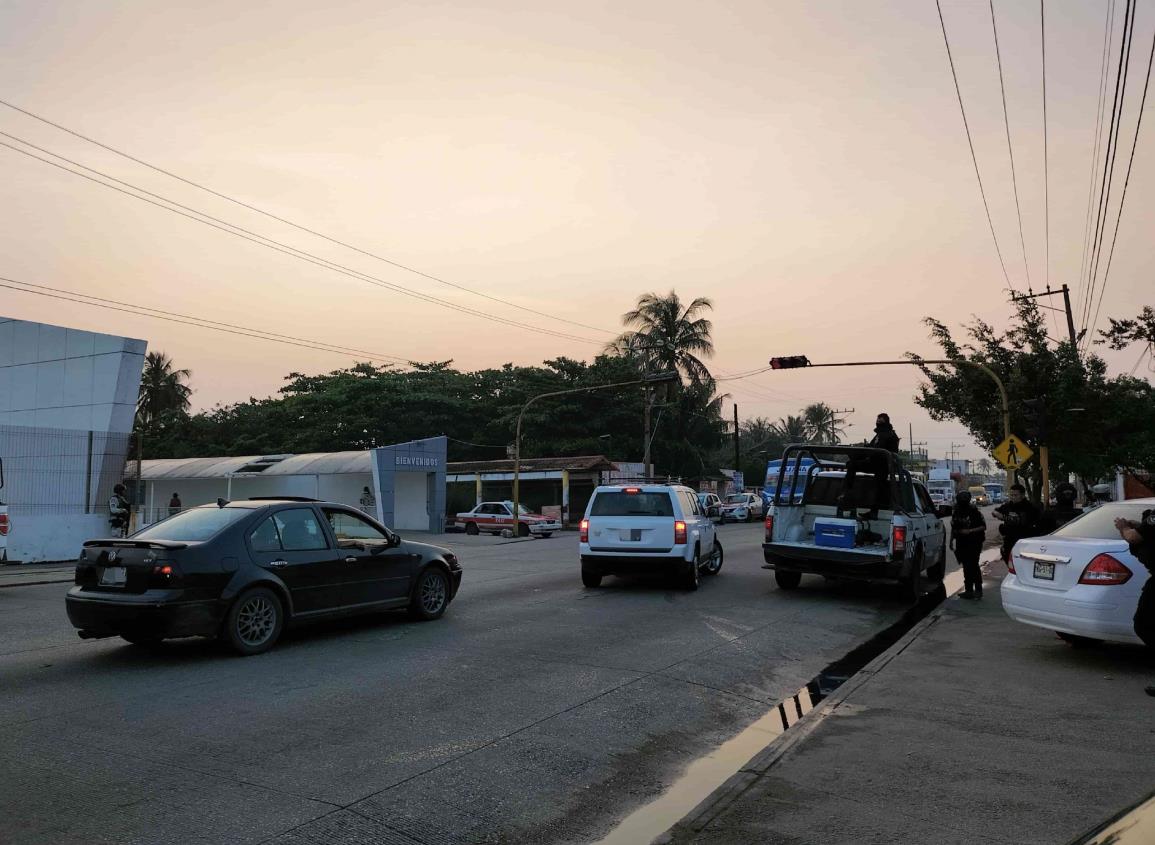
column 711, row 504
column 742, row 507
column 1080, row 581
column 242, row 571
column 495, row 517
column 659, row 528
column 902, row 543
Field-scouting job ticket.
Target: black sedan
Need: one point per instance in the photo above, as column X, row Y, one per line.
column 241, row 571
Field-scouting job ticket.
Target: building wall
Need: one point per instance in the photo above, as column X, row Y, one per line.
column 56, row 386
column 423, row 458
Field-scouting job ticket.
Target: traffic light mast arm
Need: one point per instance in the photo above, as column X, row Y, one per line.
column 1005, row 406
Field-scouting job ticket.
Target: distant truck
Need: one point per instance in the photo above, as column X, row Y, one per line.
column 905, row 542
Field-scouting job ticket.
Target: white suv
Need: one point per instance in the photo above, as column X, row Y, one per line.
column 648, row 528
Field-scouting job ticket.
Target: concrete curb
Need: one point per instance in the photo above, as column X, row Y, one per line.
column 722, row 798
column 34, row 583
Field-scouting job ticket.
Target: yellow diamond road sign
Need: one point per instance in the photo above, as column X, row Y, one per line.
column 1012, row 453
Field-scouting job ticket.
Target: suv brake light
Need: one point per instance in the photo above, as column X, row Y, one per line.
column 898, row 539
column 4, row 525
column 633, row 491
column 584, row 531
column 679, row 533
column 1104, row 570
column 769, row 527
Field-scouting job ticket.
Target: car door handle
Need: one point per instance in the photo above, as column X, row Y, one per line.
column 350, row 559
column 278, row 563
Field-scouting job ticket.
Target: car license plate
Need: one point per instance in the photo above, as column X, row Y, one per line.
column 1044, row 571
column 113, row 576
column 636, row 535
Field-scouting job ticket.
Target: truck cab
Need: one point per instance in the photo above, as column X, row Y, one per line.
column 904, row 542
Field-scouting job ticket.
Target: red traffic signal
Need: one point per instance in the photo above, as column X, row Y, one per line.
column 789, row 362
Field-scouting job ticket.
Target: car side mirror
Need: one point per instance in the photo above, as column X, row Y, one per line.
column 394, row 541
column 943, row 511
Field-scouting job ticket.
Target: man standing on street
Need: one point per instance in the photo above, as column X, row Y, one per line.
column 968, row 529
column 1019, row 518
column 1140, row 536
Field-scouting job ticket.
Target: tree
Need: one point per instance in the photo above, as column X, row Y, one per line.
column 667, row 336
column 794, row 429
column 163, row 392
column 826, row 426
column 985, row 466
column 1095, row 424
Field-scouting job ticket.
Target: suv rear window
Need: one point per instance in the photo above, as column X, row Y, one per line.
column 632, row 504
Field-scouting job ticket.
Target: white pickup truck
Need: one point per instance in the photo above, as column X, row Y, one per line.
column 898, row 540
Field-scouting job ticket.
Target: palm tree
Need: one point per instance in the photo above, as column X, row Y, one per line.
column 794, row 429
column 162, row 390
column 667, row 335
column 825, row 425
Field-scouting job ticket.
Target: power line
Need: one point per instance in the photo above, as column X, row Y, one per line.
column 187, row 319
column 1098, row 136
column 1126, row 182
column 970, row 143
column 1010, row 149
column 276, row 246
column 1046, row 165
column 298, row 226
column 1112, row 150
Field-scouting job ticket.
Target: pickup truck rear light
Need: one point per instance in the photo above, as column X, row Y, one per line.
column 769, row 528
column 1104, row 570
column 679, row 533
column 5, row 524
column 898, row 539
column 584, row 531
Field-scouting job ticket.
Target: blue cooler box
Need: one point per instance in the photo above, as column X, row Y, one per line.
column 835, row 533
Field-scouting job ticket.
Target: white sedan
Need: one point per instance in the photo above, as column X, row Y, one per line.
column 741, row 507
column 1082, row 581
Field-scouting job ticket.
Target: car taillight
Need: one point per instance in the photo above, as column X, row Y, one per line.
column 1104, row 570
column 584, row 532
column 769, row 527
column 679, row 532
column 632, row 491
column 898, row 539
column 4, row 525
column 164, row 574
column 1011, row 564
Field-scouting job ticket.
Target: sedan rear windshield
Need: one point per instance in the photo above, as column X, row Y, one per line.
column 1099, row 523
column 632, row 504
column 194, row 525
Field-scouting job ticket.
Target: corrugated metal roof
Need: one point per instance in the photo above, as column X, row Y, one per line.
column 322, row 463
column 188, row 467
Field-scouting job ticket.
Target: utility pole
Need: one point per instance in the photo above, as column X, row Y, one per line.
column 737, row 453
column 1066, row 292
column 646, row 451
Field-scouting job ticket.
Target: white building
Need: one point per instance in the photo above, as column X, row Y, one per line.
column 67, row 402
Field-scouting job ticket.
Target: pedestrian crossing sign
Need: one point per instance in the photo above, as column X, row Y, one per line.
column 1012, row 453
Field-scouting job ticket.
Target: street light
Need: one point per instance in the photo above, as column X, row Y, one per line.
column 794, row 361
column 655, row 378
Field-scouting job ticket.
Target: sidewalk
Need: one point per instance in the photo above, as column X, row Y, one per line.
column 27, row 574
column 972, row 728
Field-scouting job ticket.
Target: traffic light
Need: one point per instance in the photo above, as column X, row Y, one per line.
column 789, row 362
column 1035, row 412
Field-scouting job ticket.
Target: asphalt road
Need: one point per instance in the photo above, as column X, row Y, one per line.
column 534, row 711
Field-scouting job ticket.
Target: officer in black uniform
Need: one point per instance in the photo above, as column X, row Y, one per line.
column 968, row 529
column 885, row 437
column 1019, row 518
column 1140, row 536
column 1065, row 508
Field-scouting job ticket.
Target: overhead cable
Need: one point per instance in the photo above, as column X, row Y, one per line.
column 297, row 226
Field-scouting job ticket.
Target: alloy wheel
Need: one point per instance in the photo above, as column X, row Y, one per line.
column 433, row 592
column 256, row 621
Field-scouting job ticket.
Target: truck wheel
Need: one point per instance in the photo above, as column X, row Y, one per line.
column 912, row 584
column 787, row 580
column 591, row 577
column 472, row 529
column 937, row 572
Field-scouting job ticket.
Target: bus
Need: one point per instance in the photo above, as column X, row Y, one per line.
column 770, row 488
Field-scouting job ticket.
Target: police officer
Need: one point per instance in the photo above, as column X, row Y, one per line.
column 885, row 437
column 118, row 510
column 1140, row 536
column 1019, row 518
column 1065, row 509
column 968, row 529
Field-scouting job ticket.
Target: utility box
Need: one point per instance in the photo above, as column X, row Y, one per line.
column 835, row 533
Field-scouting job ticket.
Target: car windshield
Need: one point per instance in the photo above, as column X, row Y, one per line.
column 1099, row 523
column 193, row 525
column 736, row 499
column 632, row 504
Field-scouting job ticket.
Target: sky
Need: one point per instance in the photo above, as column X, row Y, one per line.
column 803, row 165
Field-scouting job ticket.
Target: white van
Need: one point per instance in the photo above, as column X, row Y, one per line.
column 648, row 528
